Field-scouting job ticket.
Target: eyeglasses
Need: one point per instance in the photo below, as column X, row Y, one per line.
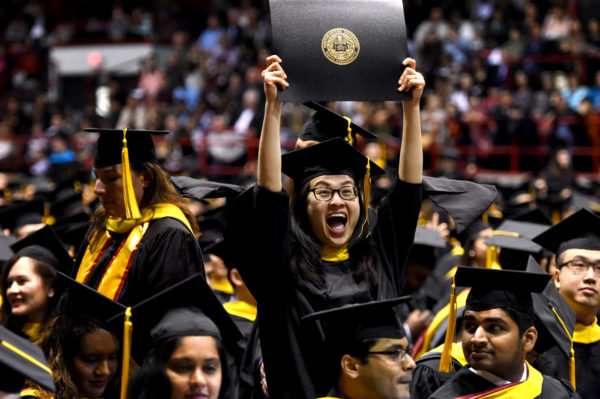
column 579, row 266
column 347, row 193
column 397, row 356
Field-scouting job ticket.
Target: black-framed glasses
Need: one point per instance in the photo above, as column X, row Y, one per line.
column 580, row 266
column 397, row 355
column 346, row 193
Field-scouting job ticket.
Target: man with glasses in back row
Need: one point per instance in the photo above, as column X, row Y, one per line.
column 576, row 243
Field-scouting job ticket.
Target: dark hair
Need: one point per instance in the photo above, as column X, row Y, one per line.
column 358, row 349
column 48, row 275
column 306, row 253
column 150, row 381
column 523, row 320
column 60, row 341
column 159, row 190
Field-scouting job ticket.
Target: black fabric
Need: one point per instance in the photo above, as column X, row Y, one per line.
column 465, row 382
column 426, row 377
column 110, row 144
column 325, row 124
column 580, row 230
column 294, row 355
column 378, row 25
column 182, row 322
column 45, row 246
column 167, row 254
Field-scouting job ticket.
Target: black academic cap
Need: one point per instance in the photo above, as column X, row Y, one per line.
column 326, row 124
column 535, row 215
column 73, row 232
column 426, row 241
column 465, row 201
column 45, row 246
column 80, row 300
column 5, row 250
column 331, row 51
column 200, row 189
column 331, row 157
column 492, row 288
column 21, row 360
column 110, row 143
column 21, row 214
column 554, row 313
column 517, row 236
column 580, row 200
column 67, row 206
column 154, row 320
column 581, row 230
column 355, row 322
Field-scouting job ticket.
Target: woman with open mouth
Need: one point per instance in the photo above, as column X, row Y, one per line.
column 318, row 247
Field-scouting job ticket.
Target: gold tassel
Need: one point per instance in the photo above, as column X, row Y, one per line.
column 446, row 359
column 127, row 330
column 131, row 206
column 349, row 138
column 572, row 359
column 47, row 218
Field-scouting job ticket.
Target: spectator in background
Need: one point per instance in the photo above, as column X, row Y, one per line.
column 134, row 114
column 575, row 92
column 152, row 79
column 557, row 24
column 435, row 24
column 594, row 92
column 210, row 36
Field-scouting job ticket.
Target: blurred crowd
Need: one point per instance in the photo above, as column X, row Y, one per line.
column 499, row 73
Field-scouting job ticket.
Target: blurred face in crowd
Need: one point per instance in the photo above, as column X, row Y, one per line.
column 332, row 221
column 479, row 248
column 577, row 280
column 109, row 188
column 26, row 292
column 491, row 342
column 194, row 368
column 95, row 363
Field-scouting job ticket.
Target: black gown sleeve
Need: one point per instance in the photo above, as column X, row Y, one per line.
column 395, row 231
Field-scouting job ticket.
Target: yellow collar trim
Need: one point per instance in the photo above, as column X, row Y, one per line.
column 330, row 254
column 241, row 309
column 223, row 285
column 530, row 388
column 152, row 212
column 586, row 334
column 456, row 352
column 32, row 330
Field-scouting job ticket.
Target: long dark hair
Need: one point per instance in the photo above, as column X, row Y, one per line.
column 150, row 381
column 48, row 275
column 160, row 190
column 306, row 253
column 60, row 341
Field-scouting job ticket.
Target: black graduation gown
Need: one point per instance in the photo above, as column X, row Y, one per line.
column 167, row 254
column 587, row 367
column 262, row 240
column 465, row 382
column 426, row 377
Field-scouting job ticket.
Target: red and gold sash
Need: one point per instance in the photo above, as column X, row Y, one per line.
column 528, row 389
column 114, row 277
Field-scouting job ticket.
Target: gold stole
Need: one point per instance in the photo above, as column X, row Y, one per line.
column 586, row 334
column 32, row 330
column 456, row 352
column 241, row 309
column 114, row 277
column 528, row 389
column 330, row 254
column 223, row 285
column 461, row 301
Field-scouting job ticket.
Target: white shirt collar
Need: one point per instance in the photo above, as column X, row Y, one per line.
column 494, row 379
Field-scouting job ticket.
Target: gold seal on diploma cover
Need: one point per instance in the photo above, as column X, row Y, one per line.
column 340, row 46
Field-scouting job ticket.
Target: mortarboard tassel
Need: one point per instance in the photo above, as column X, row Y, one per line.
column 349, row 138
column 47, row 218
column 491, row 255
column 127, row 330
column 131, row 206
column 366, row 197
column 572, row 359
column 446, row 359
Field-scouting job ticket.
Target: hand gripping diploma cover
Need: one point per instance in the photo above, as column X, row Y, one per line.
column 336, row 50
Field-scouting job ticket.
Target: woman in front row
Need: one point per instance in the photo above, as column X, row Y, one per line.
column 319, row 250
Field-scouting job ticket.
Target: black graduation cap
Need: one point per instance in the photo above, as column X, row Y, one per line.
column 325, row 124
column 342, row 50
column 110, row 144
column 331, row 157
column 580, row 200
column 80, row 300
column 200, row 189
column 68, row 205
column 535, row 215
column 21, row 360
column 581, row 230
column 170, row 312
column 464, row 200
column 5, row 250
column 426, row 241
column 45, row 246
column 517, row 236
column 355, row 322
column 492, row 288
column 22, row 213
column 72, row 231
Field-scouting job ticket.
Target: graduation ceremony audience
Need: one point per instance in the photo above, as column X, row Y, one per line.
column 177, row 230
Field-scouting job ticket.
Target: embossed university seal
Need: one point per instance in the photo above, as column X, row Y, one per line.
column 340, row 46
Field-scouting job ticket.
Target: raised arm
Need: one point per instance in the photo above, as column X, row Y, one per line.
column 410, row 168
column 269, row 148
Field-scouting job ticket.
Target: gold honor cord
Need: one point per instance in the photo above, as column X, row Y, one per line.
column 572, row 359
column 26, row 356
column 131, row 206
column 127, row 330
column 446, row 359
